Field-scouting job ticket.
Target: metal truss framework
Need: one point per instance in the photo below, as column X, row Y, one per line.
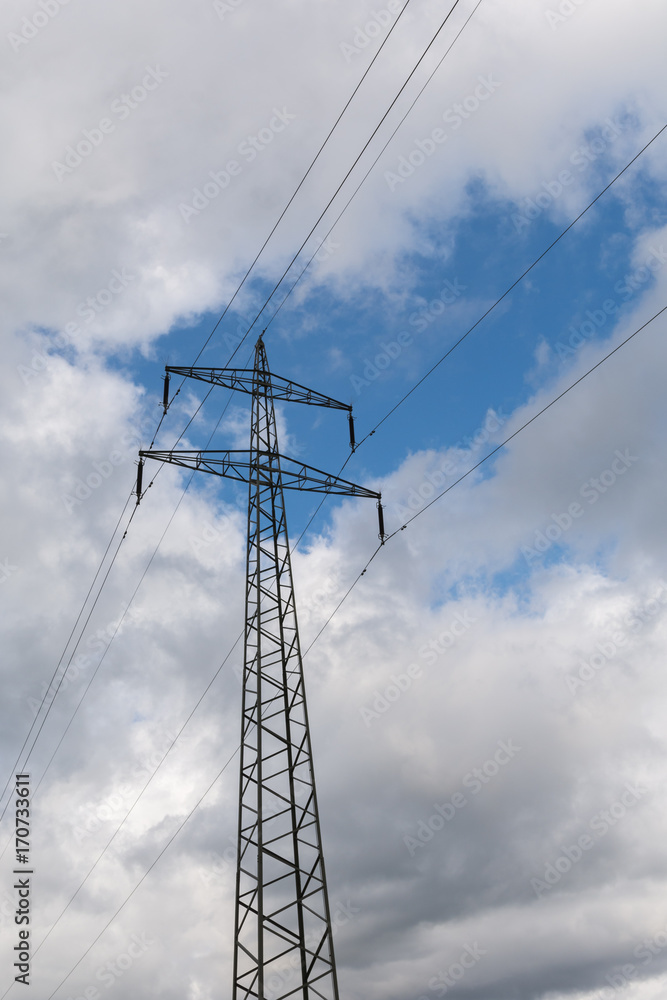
column 283, row 944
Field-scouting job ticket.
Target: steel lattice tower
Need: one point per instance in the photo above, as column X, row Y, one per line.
column 283, row 944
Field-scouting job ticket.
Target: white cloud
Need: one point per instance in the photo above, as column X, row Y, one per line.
column 497, row 617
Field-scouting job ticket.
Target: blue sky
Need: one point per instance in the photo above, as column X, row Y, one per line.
column 574, row 296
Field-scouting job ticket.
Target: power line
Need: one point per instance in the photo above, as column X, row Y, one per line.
column 277, row 285
column 244, row 279
column 481, row 318
column 515, row 283
column 399, row 403
column 365, row 177
column 358, row 157
column 83, row 628
column 81, row 633
column 143, row 877
column 442, row 25
column 481, row 462
column 396, row 406
column 298, row 188
column 528, row 422
column 499, row 299
column 139, row 796
column 266, row 241
column 279, row 220
column 92, row 678
column 102, row 658
column 424, row 377
column 494, row 451
column 339, row 217
column 62, row 656
column 64, row 652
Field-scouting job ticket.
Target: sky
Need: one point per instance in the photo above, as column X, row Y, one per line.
column 487, row 703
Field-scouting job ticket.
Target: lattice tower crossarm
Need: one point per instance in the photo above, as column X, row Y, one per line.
column 283, row 941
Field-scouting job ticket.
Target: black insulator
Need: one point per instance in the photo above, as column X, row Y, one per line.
column 165, row 396
column 351, row 422
column 381, row 521
column 140, row 476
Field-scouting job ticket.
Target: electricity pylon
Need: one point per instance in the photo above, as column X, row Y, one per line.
column 283, row 944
